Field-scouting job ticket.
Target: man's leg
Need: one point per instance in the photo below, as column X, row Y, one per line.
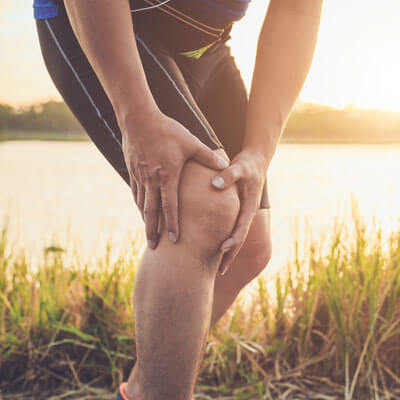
column 251, row 260
column 173, row 293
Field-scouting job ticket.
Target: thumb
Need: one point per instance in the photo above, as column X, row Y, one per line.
column 209, row 158
column 228, row 176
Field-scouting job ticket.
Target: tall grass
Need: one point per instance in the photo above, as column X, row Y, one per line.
column 330, row 331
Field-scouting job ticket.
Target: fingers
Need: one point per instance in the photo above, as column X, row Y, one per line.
column 149, row 196
column 208, row 157
column 169, row 203
column 133, row 186
column 148, row 203
column 231, row 246
column 140, row 199
column 228, row 176
column 151, row 214
column 140, row 192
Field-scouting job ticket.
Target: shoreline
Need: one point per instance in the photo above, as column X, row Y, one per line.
column 13, row 136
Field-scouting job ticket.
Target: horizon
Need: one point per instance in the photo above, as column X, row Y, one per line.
column 355, row 65
column 299, row 106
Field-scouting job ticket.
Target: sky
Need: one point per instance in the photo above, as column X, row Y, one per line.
column 357, row 60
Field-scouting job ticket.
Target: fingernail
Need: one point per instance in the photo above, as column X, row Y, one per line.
column 222, row 163
column 172, row 237
column 151, row 243
column 223, row 272
column 226, row 246
column 218, row 181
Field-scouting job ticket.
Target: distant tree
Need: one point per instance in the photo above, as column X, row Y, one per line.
column 49, row 116
column 349, row 125
column 309, row 123
column 7, row 114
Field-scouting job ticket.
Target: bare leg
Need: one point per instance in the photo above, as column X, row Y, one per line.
column 251, row 260
column 173, row 293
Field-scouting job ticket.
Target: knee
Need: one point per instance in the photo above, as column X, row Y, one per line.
column 256, row 252
column 260, row 257
column 255, row 262
column 207, row 215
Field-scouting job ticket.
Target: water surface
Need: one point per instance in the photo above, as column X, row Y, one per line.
column 51, row 188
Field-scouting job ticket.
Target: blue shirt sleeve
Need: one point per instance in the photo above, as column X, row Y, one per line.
column 43, row 9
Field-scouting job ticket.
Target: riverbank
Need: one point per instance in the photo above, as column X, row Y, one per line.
column 308, row 123
column 330, row 331
column 286, row 139
column 42, row 135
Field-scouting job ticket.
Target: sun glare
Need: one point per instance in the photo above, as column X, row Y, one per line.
column 356, row 61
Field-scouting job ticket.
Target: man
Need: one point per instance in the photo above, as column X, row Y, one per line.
column 155, row 86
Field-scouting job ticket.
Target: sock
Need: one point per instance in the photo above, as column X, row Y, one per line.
column 122, row 391
column 123, row 394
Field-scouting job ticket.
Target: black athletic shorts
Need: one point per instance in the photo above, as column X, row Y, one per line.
column 206, row 95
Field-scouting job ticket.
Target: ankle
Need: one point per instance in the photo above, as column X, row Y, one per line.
column 123, row 391
column 130, row 391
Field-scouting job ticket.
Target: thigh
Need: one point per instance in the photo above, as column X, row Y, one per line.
column 222, row 96
column 83, row 93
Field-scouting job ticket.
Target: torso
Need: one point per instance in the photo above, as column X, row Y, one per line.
column 217, row 13
column 214, row 11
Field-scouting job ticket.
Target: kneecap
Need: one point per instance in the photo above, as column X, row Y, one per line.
column 208, row 215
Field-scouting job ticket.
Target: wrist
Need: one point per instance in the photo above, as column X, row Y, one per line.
column 137, row 118
column 262, row 144
column 132, row 101
column 258, row 157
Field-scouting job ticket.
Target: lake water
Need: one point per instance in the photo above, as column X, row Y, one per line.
column 59, row 190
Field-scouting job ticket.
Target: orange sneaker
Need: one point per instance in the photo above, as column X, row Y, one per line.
column 121, row 393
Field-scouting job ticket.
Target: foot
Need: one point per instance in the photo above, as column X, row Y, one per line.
column 121, row 393
column 122, row 396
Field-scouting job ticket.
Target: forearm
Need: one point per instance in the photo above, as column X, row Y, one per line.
column 284, row 54
column 105, row 33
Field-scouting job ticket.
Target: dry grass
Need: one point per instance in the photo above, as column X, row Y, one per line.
column 330, row 332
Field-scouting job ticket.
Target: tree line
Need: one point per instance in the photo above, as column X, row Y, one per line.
column 308, row 123
column 317, row 123
column 51, row 116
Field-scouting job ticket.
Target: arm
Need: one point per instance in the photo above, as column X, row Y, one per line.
column 105, row 33
column 284, row 53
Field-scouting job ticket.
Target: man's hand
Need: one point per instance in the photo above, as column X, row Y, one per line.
column 248, row 170
column 155, row 152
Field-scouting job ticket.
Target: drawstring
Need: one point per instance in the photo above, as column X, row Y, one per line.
column 150, row 7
